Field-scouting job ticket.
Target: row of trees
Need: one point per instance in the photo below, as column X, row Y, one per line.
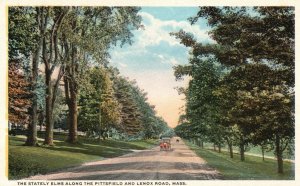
column 110, row 102
column 65, row 51
column 242, row 86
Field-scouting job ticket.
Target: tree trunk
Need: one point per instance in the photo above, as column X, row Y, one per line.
column 71, row 96
column 32, row 129
column 230, row 147
column 202, row 144
column 215, row 147
column 219, row 147
column 49, row 111
column 230, row 150
column 263, row 152
column 41, row 119
column 50, row 59
column 99, row 119
column 72, row 104
column 279, row 155
column 242, row 150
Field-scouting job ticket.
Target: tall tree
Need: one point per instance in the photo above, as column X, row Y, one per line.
column 19, row 95
column 26, row 30
column 151, row 125
column 53, row 19
column 201, row 103
column 99, row 108
column 245, row 37
column 259, row 89
column 131, row 116
column 89, row 33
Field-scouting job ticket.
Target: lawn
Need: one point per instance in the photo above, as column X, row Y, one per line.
column 253, row 168
column 251, row 150
column 25, row 161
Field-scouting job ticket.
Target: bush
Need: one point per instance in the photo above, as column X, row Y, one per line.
column 20, row 168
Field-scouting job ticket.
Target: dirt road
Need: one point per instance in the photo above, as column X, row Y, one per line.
column 180, row 163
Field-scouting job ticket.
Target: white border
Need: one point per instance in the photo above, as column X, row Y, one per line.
column 3, row 67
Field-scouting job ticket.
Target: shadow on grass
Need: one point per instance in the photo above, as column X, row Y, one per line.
column 89, row 149
column 92, row 141
column 103, row 148
column 25, row 161
column 253, row 168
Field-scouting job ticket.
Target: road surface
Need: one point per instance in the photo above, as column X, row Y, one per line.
column 180, row 163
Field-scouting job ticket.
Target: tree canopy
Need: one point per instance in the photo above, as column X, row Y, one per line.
column 73, row 45
column 252, row 99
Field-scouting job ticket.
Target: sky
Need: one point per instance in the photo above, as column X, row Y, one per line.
column 149, row 60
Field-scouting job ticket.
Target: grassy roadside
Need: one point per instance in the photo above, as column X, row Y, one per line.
column 253, row 150
column 252, row 169
column 26, row 161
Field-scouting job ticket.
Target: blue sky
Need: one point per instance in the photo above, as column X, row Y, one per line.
column 171, row 13
column 149, row 60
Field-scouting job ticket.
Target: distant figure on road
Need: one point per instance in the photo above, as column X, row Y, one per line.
column 165, row 143
column 177, row 140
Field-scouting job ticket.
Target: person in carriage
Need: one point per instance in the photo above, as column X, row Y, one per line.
column 165, row 144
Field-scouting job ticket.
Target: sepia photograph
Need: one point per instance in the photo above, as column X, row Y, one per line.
column 149, row 94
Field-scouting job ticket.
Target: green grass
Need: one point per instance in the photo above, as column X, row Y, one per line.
column 25, row 161
column 253, row 168
column 251, row 150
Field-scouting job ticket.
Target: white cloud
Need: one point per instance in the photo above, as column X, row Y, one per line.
column 123, row 65
column 150, row 63
column 168, row 60
column 157, row 30
column 173, row 61
column 161, row 56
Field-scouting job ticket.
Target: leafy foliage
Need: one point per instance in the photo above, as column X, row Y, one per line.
column 22, row 32
column 99, row 109
column 19, row 94
column 254, row 100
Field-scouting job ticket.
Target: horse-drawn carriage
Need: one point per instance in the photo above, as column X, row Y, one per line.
column 165, row 144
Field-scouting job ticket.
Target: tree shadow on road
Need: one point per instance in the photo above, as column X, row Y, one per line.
column 153, row 165
column 148, row 176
